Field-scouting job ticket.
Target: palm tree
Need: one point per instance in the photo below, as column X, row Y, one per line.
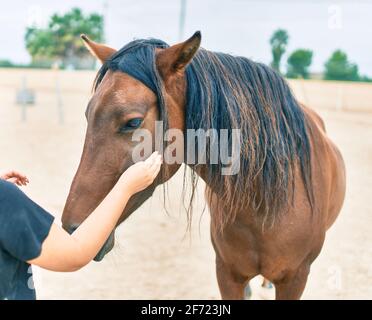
column 278, row 42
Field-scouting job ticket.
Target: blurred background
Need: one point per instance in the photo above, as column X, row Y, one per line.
column 324, row 48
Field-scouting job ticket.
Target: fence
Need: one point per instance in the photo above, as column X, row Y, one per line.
column 58, row 91
column 335, row 95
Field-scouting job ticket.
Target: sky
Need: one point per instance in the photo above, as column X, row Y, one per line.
column 240, row 27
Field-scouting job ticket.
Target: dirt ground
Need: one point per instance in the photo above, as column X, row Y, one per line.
column 154, row 257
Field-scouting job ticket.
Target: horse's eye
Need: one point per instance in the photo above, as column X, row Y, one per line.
column 132, row 124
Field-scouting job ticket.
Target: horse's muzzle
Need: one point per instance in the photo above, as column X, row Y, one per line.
column 107, row 247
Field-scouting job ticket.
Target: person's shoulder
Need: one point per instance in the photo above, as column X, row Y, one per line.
column 5, row 185
column 8, row 189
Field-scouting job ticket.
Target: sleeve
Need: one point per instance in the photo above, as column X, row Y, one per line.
column 23, row 224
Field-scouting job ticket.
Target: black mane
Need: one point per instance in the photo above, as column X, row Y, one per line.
column 228, row 92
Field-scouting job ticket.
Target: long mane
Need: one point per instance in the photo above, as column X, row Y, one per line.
column 228, row 92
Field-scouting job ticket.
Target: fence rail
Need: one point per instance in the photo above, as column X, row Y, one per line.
column 334, row 95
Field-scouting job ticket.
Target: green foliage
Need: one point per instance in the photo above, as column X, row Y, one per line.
column 278, row 42
column 338, row 67
column 298, row 63
column 61, row 39
column 6, row 64
column 365, row 79
column 32, row 65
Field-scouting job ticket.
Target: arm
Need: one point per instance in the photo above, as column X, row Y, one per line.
column 64, row 252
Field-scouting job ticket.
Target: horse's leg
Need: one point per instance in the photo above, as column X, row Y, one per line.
column 292, row 285
column 232, row 286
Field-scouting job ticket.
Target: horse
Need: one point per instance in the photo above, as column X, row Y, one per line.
column 271, row 217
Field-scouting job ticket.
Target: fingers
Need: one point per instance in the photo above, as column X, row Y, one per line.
column 15, row 174
column 152, row 157
column 24, row 181
column 12, row 180
column 16, row 178
column 142, row 174
column 156, row 172
column 156, row 162
column 155, row 165
column 15, row 181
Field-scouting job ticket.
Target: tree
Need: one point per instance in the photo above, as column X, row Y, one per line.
column 278, row 42
column 6, row 64
column 338, row 67
column 61, row 41
column 365, row 79
column 298, row 63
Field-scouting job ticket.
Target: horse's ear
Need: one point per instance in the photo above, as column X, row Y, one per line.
column 175, row 58
column 100, row 51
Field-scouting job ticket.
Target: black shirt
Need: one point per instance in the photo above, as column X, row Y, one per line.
column 23, row 227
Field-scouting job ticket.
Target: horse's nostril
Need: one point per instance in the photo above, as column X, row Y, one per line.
column 70, row 229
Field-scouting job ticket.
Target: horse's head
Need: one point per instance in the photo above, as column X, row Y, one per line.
column 120, row 105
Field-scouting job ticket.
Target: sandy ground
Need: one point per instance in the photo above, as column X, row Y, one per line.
column 154, row 257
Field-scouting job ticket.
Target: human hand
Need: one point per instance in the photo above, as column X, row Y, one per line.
column 141, row 174
column 15, row 177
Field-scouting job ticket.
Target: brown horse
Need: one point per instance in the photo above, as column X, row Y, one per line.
column 271, row 217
